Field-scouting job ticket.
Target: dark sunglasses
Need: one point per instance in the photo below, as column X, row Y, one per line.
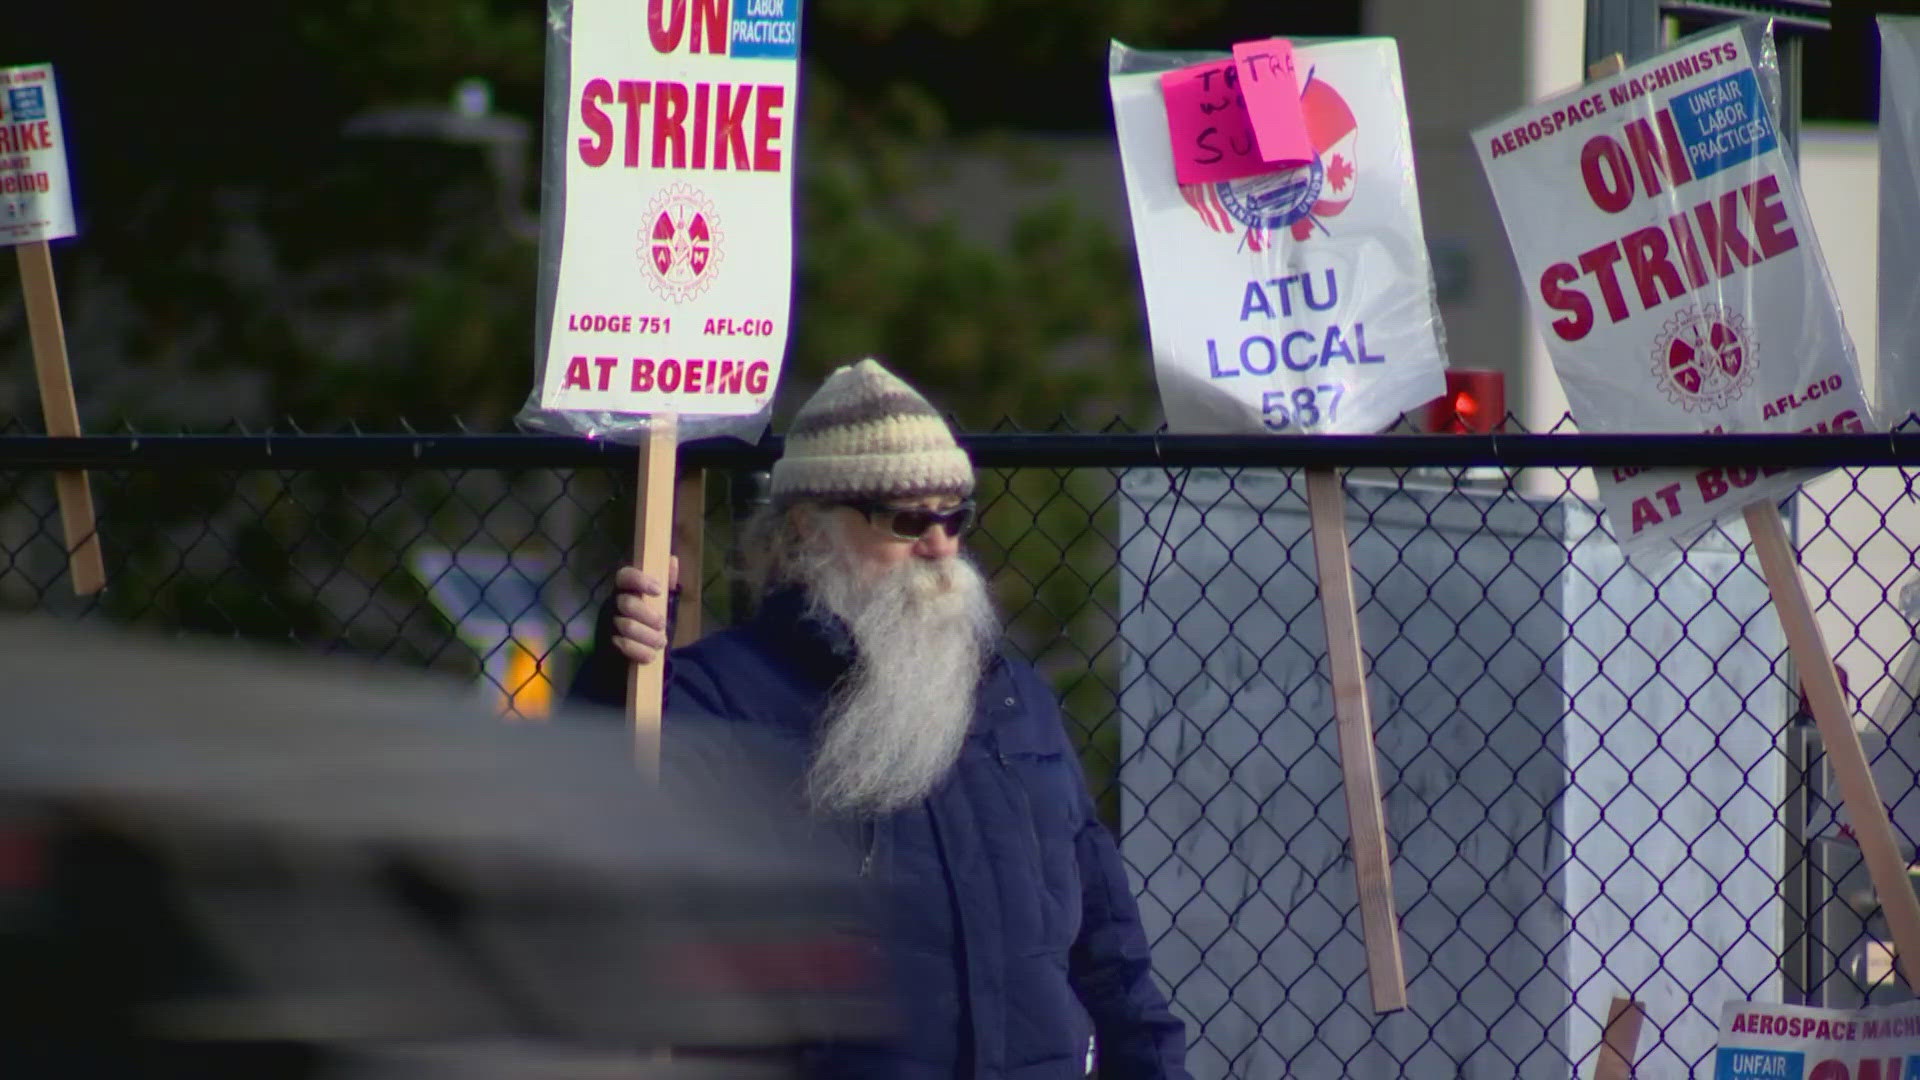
column 912, row 522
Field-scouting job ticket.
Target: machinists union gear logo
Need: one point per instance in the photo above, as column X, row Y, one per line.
column 680, row 244
column 1298, row 199
column 1703, row 358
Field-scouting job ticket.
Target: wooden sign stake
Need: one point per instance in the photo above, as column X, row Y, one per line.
column 1620, row 1042
column 1360, row 774
column 652, row 544
column 1867, row 814
column 77, row 523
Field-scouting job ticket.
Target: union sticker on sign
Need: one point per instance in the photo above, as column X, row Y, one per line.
column 677, row 248
column 1297, row 299
column 1672, row 269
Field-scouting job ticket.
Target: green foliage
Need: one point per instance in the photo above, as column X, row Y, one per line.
column 260, row 264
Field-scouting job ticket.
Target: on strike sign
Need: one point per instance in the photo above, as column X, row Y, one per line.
column 676, row 257
column 36, row 202
column 1759, row 1041
column 1289, row 297
column 1674, row 273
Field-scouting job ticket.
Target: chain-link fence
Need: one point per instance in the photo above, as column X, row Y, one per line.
column 1597, row 775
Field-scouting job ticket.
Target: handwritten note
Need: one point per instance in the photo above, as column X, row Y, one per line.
column 1207, row 120
column 1272, row 95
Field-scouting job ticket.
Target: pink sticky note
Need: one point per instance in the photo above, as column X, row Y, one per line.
column 1208, row 124
column 1272, row 93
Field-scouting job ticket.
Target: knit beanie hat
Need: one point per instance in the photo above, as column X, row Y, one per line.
column 865, row 434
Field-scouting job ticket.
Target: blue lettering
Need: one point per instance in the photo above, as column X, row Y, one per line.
column 1279, row 285
column 1246, row 355
column 1213, row 362
column 1255, row 300
column 1328, row 350
column 1286, row 351
column 1360, row 340
column 1306, row 291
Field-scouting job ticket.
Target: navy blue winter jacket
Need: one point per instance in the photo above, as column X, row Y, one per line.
column 1011, row 925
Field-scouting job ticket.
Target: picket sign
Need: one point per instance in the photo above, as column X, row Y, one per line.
column 1254, row 332
column 1620, row 1043
column 36, row 205
column 675, row 276
column 1811, row 658
column 1353, row 721
column 50, row 369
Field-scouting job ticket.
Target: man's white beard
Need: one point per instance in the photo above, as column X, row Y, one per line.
column 897, row 721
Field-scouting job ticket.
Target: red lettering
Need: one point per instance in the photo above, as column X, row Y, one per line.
column 642, row 375
column 710, row 16
column 668, row 376
column 1739, row 1019
column 1644, row 514
column 595, row 151
column 669, row 124
column 766, row 128
column 576, row 374
column 1725, row 243
column 700, row 91
column 730, row 373
column 696, row 373
column 1689, row 250
column 1871, row 1069
column 666, row 35
column 1647, row 261
column 1828, row 1070
column 1498, row 148
column 1671, row 496
column 606, row 364
column 1599, row 262
column 730, row 127
column 1614, row 191
column 1655, row 165
column 757, row 373
column 1579, row 318
column 634, row 96
column 1711, row 484
column 1769, row 213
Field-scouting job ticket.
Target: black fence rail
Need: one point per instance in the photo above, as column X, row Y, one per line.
column 1598, row 777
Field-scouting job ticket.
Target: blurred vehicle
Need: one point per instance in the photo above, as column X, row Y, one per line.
column 216, row 861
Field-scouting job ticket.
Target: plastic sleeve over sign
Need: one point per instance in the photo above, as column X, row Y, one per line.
column 1297, row 301
column 1897, row 387
column 618, row 427
column 1673, row 271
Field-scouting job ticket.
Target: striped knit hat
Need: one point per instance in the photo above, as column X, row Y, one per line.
column 867, row 435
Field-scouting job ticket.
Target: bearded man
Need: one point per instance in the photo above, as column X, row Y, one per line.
column 875, row 648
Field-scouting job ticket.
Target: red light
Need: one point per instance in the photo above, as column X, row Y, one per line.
column 1475, row 403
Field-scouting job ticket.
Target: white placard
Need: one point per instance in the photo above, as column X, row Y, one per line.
column 1762, row 1041
column 1295, row 302
column 1672, row 268
column 36, row 200
column 676, row 263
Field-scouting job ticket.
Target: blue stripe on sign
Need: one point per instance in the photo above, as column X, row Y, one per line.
column 765, row 29
column 1723, row 123
column 1740, row 1063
